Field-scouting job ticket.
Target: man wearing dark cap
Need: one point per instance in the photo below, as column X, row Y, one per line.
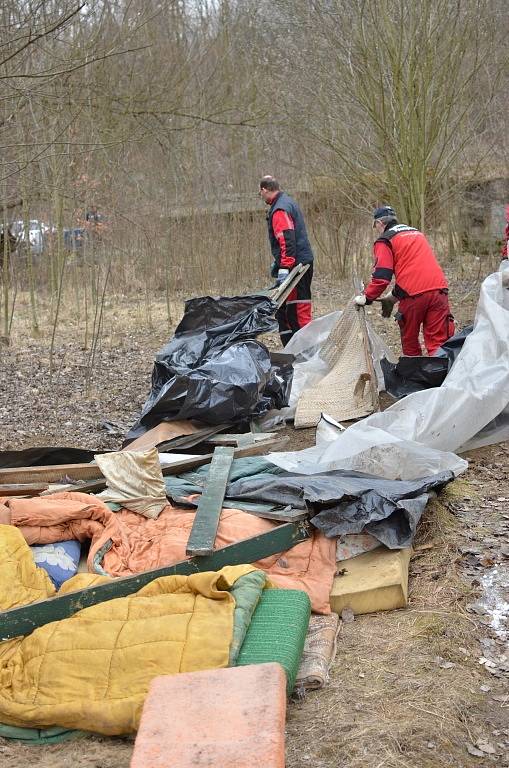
column 290, row 245
column 421, row 286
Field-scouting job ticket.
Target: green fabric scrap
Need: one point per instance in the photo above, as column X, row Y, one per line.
column 99, row 556
column 246, row 591
column 113, row 505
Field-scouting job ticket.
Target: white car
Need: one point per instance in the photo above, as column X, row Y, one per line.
column 35, row 234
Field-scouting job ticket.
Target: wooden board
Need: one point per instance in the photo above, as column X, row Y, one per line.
column 49, row 473
column 262, row 509
column 285, row 515
column 357, row 284
column 23, row 489
column 170, row 435
column 23, row 620
column 280, row 294
column 241, row 440
column 189, row 441
column 203, row 533
column 185, row 465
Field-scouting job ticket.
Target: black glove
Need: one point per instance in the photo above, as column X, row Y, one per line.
column 387, row 305
column 274, row 269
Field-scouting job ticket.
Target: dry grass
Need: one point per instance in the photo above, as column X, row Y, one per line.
column 389, row 703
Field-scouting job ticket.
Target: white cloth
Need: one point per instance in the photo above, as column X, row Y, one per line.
column 134, row 479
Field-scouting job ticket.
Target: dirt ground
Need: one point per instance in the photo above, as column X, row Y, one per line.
column 421, row 687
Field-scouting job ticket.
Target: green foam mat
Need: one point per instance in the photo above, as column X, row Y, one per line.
column 277, row 631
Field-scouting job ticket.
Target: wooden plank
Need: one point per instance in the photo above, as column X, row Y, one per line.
column 262, row 509
column 169, row 435
column 189, row 441
column 276, row 292
column 234, row 440
column 23, row 489
column 186, row 464
column 240, row 440
column 23, row 620
column 285, row 515
column 49, row 473
column 367, row 348
column 285, row 291
column 281, row 294
column 203, row 533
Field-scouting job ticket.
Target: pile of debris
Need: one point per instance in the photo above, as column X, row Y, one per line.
column 191, row 549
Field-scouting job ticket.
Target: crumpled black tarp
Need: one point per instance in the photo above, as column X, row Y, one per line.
column 412, row 374
column 452, row 346
column 349, row 502
column 213, row 370
column 37, row 457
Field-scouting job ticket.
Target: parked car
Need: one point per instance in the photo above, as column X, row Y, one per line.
column 35, row 234
column 75, row 238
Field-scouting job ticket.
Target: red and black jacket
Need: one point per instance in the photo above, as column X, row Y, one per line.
column 404, row 252
column 288, row 237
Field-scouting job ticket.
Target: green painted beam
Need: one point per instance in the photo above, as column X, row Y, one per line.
column 23, row 620
column 203, row 533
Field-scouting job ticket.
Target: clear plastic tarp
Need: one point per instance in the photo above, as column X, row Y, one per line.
column 418, row 435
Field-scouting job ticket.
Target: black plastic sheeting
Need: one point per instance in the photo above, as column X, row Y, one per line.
column 213, row 370
column 349, row 502
column 452, row 346
column 45, row 456
column 412, row 374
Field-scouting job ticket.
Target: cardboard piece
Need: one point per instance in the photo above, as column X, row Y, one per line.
column 166, row 430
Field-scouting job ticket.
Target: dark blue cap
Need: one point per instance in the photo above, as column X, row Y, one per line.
column 384, row 212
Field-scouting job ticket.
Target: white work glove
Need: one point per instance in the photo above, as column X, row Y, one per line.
column 282, row 275
column 360, row 300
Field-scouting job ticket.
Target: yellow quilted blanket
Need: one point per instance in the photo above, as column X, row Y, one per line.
column 92, row 671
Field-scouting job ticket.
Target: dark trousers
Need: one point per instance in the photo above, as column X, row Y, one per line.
column 431, row 311
column 297, row 311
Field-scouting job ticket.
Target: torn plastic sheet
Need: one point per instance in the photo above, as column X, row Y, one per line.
column 213, row 369
column 417, row 435
column 373, row 451
column 348, row 502
column 327, row 429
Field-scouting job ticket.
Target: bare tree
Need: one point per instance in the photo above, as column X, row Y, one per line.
column 390, row 91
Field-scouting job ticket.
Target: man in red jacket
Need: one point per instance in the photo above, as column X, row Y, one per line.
column 290, row 245
column 421, row 286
